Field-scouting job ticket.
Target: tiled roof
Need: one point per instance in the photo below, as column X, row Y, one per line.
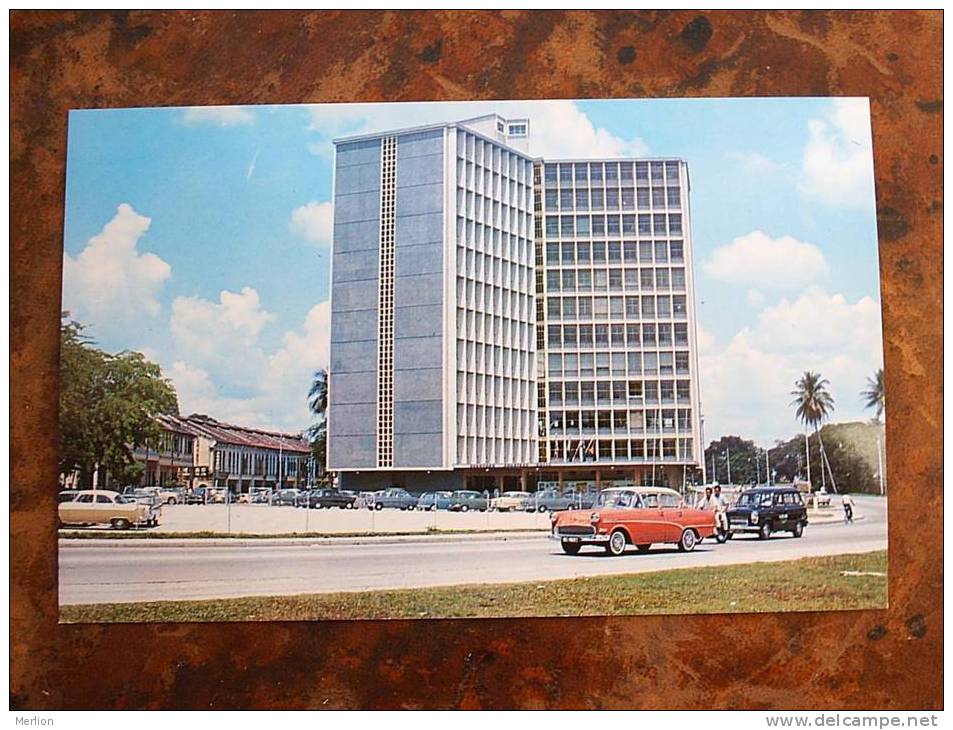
column 199, row 425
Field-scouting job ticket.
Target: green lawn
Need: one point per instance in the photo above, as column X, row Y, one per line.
column 808, row 584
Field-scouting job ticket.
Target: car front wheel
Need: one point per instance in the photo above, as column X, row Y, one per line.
column 765, row 532
column 541, row 508
column 378, row 507
column 616, row 544
column 798, row 529
column 571, row 548
column 173, row 500
column 120, row 524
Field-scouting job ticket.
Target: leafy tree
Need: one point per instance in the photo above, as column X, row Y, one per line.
column 851, row 450
column 107, row 406
column 874, row 394
column 318, row 404
column 746, row 459
column 814, row 404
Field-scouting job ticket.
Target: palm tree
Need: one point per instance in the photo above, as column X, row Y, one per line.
column 814, row 404
column 318, row 405
column 874, row 398
column 874, row 395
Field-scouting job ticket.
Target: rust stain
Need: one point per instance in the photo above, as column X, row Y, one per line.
column 61, row 60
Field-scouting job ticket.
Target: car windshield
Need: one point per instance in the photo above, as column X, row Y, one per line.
column 755, row 499
column 618, row 500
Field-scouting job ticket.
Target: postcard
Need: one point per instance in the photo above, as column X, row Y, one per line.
column 471, row 359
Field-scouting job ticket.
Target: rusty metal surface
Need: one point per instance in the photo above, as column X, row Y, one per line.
column 890, row 658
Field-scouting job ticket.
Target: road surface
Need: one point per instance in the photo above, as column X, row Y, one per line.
column 153, row 570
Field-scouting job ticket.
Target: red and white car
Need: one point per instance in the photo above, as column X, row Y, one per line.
column 640, row 516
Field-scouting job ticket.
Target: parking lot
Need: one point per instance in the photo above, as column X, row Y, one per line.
column 272, row 520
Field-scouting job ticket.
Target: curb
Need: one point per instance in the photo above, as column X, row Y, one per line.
column 295, row 541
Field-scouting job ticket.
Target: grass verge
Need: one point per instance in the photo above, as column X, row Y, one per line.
column 807, row 584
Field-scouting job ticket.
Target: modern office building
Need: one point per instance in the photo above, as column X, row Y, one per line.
column 498, row 321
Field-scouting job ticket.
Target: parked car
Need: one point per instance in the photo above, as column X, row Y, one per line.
column 320, row 498
column 581, row 498
column 195, row 496
column 767, row 510
column 394, row 497
column 104, row 507
column 171, row 495
column 549, row 500
column 217, row 495
column 434, row 500
column 640, row 516
column 257, row 495
column 510, row 501
column 287, row 497
column 466, row 500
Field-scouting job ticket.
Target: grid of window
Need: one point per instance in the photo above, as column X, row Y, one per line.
column 618, row 367
column 495, row 304
column 385, row 333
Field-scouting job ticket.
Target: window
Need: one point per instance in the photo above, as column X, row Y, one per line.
column 612, row 199
column 645, row 225
column 675, row 224
column 671, row 172
column 678, row 307
column 552, row 225
column 586, row 364
column 658, row 224
column 599, row 252
column 681, row 363
column 646, row 279
column 585, row 278
column 615, row 279
column 600, row 279
column 677, row 250
column 674, row 197
column 582, row 199
column 552, row 280
column 612, row 173
column 615, row 252
column 598, row 225
column 632, row 335
column 569, row 336
column 630, row 252
column 565, row 173
column 552, row 200
column 588, row 395
column 678, row 278
column 585, row 308
column 658, row 197
column 642, row 171
column 568, row 253
column 582, row 225
column 681, row 334
column 612, row 225
column 632, row 279
column 568, row 279
column 517, row 130
column 566, row 226
column 628, row 225
column 565, row 199
column 595, row 171
column 598, row 199
column 555, row 364
column 628, row 199
column 551, row 174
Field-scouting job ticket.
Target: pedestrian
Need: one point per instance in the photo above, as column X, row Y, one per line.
column 848, row 503
column 707, row 502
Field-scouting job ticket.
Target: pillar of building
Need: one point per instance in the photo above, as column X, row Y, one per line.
column 559, row 478
column 522, row 481
column 598, row 479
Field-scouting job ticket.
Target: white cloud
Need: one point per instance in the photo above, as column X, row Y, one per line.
column 837, row 164
column 558, row 128
column 110, row 285
column 755, row 163
column 222, row 336
column 746, row 383
column 219, row 116
column 314, row 221
column 219, row 351
column 757, row 259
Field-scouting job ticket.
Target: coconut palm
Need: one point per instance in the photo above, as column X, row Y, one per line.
column 874, row 395
column 318, row 393
column 814, row 404
column 318, row 405
column 874, row 398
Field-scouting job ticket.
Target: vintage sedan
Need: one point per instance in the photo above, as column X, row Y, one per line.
column 510, row 501
column 640, row 516
column 104, row 507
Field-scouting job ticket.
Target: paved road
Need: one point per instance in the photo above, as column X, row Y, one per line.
column 160, row 570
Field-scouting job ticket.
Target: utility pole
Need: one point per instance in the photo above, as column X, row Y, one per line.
column 728, row 463
column 767, row 465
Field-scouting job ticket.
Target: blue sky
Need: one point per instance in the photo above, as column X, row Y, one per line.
column 201, row 237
